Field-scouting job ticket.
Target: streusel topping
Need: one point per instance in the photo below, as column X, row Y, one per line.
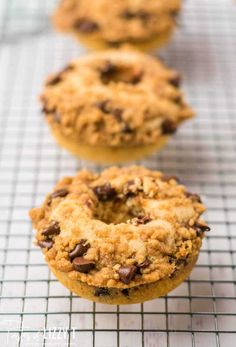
column 120, row 228
column 115, row 98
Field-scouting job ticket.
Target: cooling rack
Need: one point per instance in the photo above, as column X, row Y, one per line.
column 35, row 310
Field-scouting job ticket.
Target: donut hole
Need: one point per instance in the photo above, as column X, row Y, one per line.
column 113, row 212
column 111, row 73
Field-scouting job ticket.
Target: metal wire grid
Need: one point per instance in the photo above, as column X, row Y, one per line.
column 34, row 308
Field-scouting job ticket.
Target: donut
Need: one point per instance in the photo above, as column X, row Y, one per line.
column 114, row 106
column 102, row 24
column 122, row 236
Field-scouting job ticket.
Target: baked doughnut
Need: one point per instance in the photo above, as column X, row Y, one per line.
column 99, row 24
column 114, row 106
column 123, row 236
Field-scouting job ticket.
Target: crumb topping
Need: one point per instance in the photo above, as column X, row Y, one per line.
column 120, row 228
column 115, row 98
column 127, row 21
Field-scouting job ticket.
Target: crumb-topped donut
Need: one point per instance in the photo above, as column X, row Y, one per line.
column 100, row 24
column 114, row 106
column 125, row 235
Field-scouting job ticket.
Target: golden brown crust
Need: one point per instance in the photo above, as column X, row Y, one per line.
column 119, row 296
column 105, row 154
column 95, row 43
column 115, row 98
column 131, row 226
column 127, row 21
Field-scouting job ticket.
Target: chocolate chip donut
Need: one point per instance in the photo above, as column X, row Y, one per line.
column 100, row 24
column 114, row 106
column 123, row 236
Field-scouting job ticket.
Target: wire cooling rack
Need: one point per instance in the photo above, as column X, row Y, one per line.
column 35, row 310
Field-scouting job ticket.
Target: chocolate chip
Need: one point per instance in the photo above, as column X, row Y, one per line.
column 114, row 43
column 54, row 80
column 144, row 264
column 128, row 15
column 128, row 191
column 175, row 80
column 85, row 26
column 104, row 192
column 194, row 197
column 167, row 178
column 108, row 68
column 107, row 71
column 58, row 77
column 171, row 260
column 102, row 292
column 181, row 262
column 45, row 243
column 174, row 13
column 52, row 229
column 110, row 72
column 201, row 228
column 141, row 15
column 168, row 127
column 126, row 129
column 48, row 110
column 79, row 249
column 117, row 113
column 83, row 265
column 52, row 111
column 178, row 263
column 177, row 99
column 136, row 78
column 60, row 193
column 102, row 105
column 127, row 273
column 125, row 292
column 144, row 16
